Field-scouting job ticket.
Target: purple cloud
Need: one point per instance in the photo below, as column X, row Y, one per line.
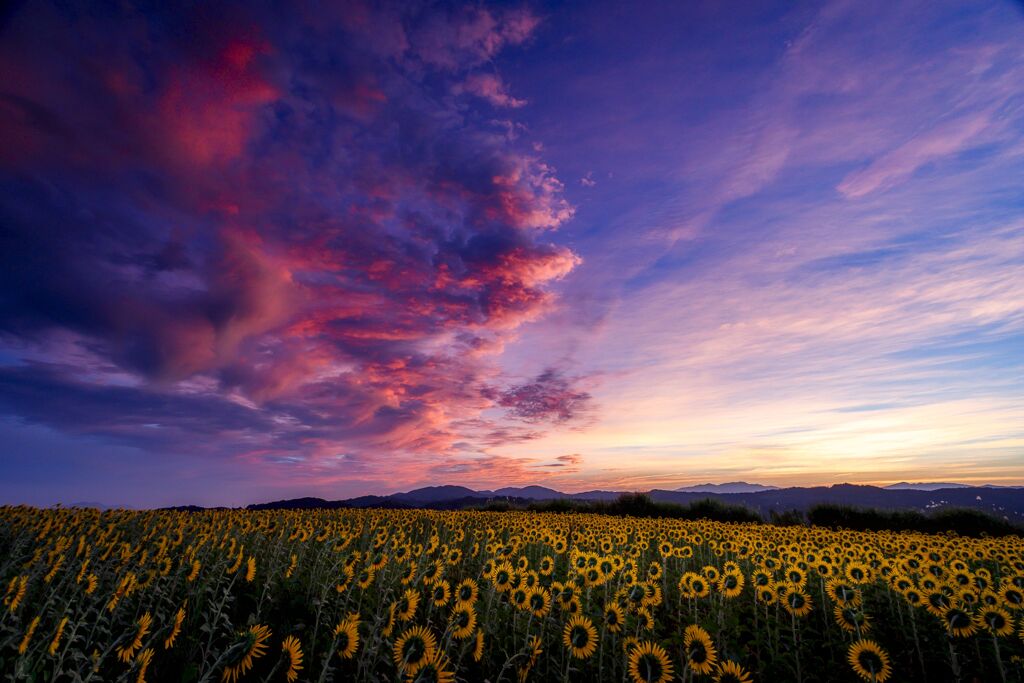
column 272, row 235
column 550, row 397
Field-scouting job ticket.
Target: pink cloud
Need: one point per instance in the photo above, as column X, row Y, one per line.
column 489, row 87
column 287, row 275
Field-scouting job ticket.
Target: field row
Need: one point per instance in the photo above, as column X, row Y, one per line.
column 389, row 595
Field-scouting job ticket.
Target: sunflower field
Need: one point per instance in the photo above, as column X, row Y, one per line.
column 416, row 595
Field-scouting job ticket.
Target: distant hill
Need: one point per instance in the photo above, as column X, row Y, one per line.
column 89, row 504
column 436, row 494
column 1003, row 502
column 728, row 487
column 531, row 492
column 925, row 486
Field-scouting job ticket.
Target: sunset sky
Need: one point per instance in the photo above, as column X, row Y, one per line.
column 254, row 251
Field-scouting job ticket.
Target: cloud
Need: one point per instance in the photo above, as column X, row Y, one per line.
column 901, row 162
column 489, row 87
column 272, row 235
column 569, row 462
column 469, row 36
column 550, row 397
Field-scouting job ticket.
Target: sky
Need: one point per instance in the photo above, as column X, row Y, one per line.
column 252, row 251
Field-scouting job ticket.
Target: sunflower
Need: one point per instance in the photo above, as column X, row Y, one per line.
column 406, row 606
column 996, row 620
column 1013, row 597
column 389, row 625
column 252, row 646
column 520, row 597
column 433, row 572
column 125, row 654
column 644, row 620
column 293, row 648
column 441, row 593
column 761, row 577
column 291, row 567
column 858, row 573
column 250, row 569
column 414, row 649
column 959, row 622
column 731, row 584
column 901, row 582
column 700, row 651
column 194, row 572
column 346, row 636
column 649, row 663
column 16, row 592
column 365, row 578
column 968, row 596
column 539, row 602
column 463, row 621
column 478, row 646
column 410, row 573
column 797, row 576
column 533, row 648
column 851, row 619
column 699, row 588
column 613, row 618
column 842, row 592
column 142, row 662
column 55, row 643
column 869, row 661
column 796, row 601
column 503, row 575
column 574, row 607
column 937, row 602
column 436, row 669
column 731, row 672
column 23, row 645
column 467, row 591
column 238, row 561
column 567, row 592
column 347, row 576
column 766, row 594
column 179, row 619
column 580, row 637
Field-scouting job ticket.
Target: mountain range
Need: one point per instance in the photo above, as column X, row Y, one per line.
column 728, row 487
column 1004, row 502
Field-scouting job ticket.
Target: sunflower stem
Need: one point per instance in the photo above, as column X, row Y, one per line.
column 796, row 648
column 952, row 659
column 999, row 658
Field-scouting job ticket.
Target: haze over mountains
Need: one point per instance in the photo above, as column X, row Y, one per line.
column 1004, row 502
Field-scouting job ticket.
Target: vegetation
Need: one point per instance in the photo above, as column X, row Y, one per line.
column 641, row 505
column 418, row 596
column 962, row 521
